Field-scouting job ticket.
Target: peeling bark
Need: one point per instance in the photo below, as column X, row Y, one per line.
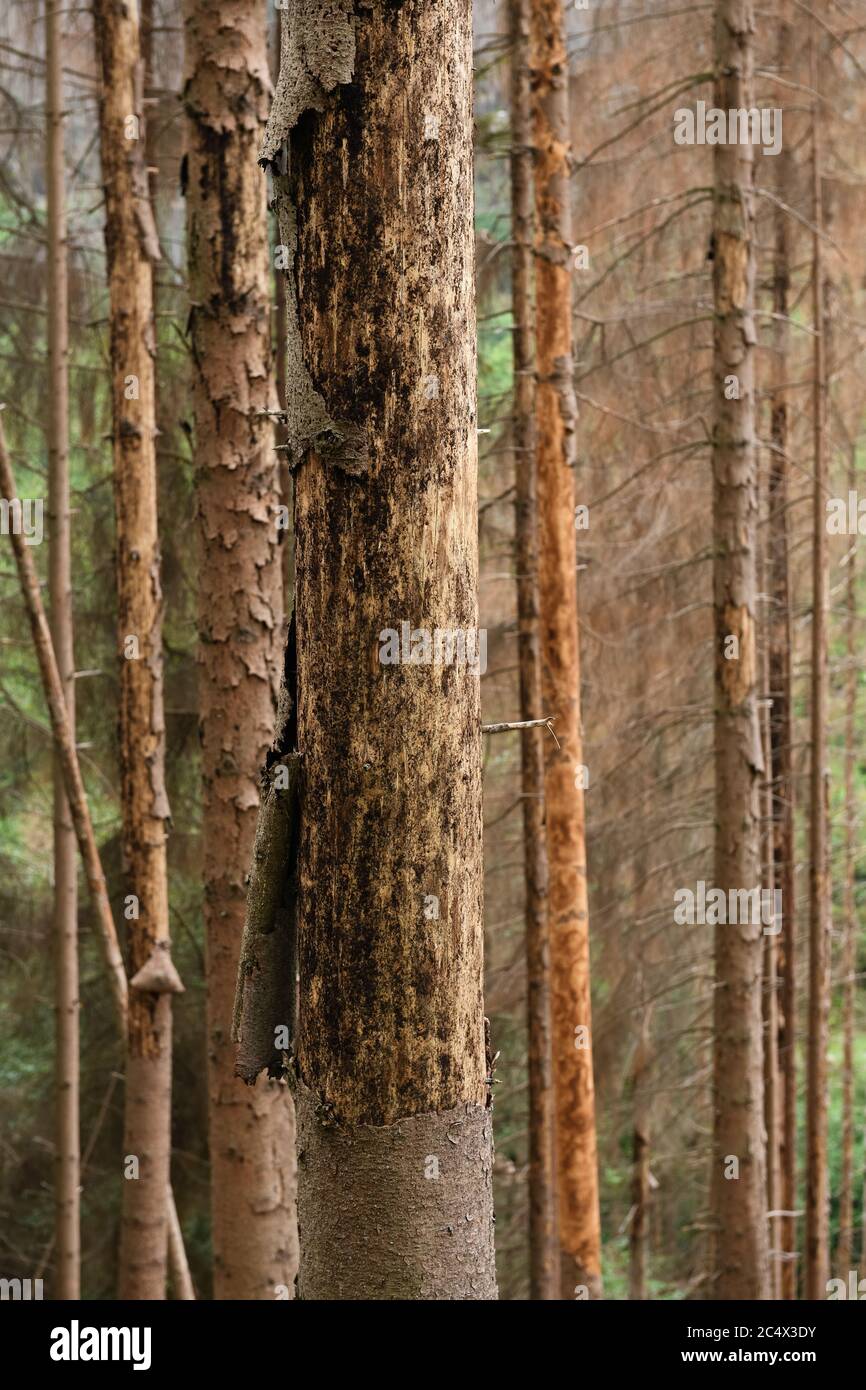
column 251, row 1129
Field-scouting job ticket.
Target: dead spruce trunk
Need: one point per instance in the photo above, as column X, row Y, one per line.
column 372, row 128
column 543, row 1243
column 251, row 1129
column 781, row 721
column 131, row 245
column 67, row 1159
column 568, row 903
column 738, row 1189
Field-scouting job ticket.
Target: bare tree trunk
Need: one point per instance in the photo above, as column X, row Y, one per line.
column 178, row 1264
column 251, row 1128
column 131, row 245
column 287, row 546
column 67, row 1177
column 556, row 413
column 640, row 1190
column 845, row 1246
column 394, row 1120
column 817, row 1197
column 781, row 718
column 73, row 783
column 739, row 1198
column 543, row 1247
column 65, row 745
column 772, row 1109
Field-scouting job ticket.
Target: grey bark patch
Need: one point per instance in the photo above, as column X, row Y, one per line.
column 265, row 996
column 309, row 424
column 399, row 1211
column 317, row 52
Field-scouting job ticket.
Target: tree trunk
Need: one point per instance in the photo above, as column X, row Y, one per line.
column 772, row 1082
column 131, row 245
column 739, row 1199
column 64, row 741
column 67, row 1160
column 556, row 412
column 817, row 1199
column 375, row 203
column 845, row 1246
column 781, row 719
column 543, row 1246
column 251, row 1129
column 640, row 1182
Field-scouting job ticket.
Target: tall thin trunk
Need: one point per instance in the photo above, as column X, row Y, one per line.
column 67, row 1160
column 845, row 1246
column 781, row 719
column 64, row 741
column 568, row 905
column 543, row 1248
column 280, row 371
column 772, row 1080
column 251, row 1129
column 739, row 1198
column 394, row 1120
column 640, row 1189
column 131, row 245
column 817, row 1197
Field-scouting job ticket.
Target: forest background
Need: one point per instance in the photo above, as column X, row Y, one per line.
column 643, row 354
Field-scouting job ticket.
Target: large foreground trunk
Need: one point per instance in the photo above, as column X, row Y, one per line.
column 375, row 203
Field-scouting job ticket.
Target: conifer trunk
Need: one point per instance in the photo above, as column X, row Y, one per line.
column 781, row 717
column 738, row 1189
column 251, row 1128
column 817, row 1191
column 568, row 904
column 67, row 1160
column 372, row 130
column 131, row 246
column 543, row 1247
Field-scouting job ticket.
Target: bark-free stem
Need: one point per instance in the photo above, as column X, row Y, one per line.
column 568, row 902
column 375, row 203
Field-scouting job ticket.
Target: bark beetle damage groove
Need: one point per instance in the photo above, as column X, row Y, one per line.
column 371, row 134
column 265, row 997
